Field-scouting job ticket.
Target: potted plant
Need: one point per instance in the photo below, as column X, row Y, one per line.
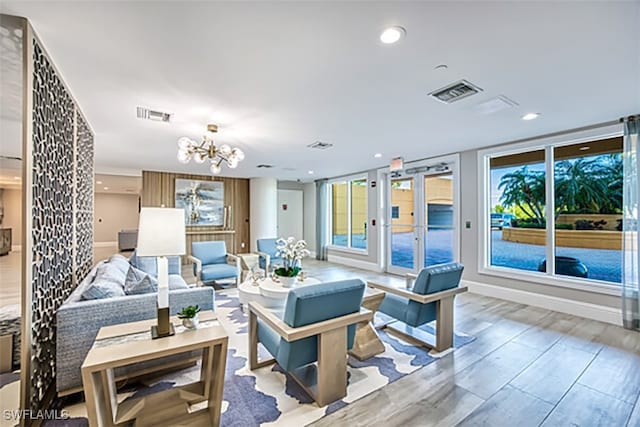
column 189, row 316
column 292, row 253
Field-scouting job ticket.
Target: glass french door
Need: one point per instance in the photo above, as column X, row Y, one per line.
column 420, row 221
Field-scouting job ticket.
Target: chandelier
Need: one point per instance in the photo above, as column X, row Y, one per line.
column 189, row 149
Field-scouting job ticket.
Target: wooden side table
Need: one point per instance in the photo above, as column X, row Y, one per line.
column 124, row 344
column 367, row 343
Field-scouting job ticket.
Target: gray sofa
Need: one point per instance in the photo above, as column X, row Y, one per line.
column 79, row 320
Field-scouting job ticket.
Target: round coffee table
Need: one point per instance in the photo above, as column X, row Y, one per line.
column 268, row 293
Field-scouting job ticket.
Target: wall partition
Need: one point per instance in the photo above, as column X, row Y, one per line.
column 57, row 238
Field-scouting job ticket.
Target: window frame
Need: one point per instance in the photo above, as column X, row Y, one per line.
column 548, row 144
column 347, row 180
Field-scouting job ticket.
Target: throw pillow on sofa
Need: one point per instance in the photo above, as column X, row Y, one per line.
column 108, row 283
column 139, row 282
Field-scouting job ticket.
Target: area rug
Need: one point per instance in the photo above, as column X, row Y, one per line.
column 268, row 397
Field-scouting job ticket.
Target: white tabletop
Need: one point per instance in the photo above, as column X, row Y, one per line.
column 271, row 289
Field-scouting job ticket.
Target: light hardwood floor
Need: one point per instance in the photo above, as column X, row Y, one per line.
column 527, row 367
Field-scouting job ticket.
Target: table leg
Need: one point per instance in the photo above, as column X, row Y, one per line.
column 367, row 343
column 217, row 381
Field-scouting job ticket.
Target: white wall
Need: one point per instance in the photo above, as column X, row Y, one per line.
column 309, row 215
column 290, row 213
column 12, row 202
column 263, row 209
column 112, row 213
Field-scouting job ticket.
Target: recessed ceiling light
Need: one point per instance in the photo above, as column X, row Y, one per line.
column 98, row 182
column 530, row 116
column 106, row 188
column 585, row 148
column 392, row 35
column 441, row 67
column 377, row 155
column 17, row 178
column 310, row 172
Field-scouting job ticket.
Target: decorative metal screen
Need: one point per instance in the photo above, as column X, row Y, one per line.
column 61, row 213
column 83, row 198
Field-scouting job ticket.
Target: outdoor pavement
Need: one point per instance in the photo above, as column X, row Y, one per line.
column 603, row 264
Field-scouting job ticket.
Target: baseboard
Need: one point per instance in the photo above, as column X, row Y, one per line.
column 105, row 244
column 350, row 262
column 600, row 313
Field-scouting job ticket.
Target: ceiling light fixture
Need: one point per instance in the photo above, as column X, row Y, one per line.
column 585, row 148
column 310, row 172
column 392, row 35
column 189, row 149
column 106, row 188
column 530, row 116
column 98, row 182
column 377, row 155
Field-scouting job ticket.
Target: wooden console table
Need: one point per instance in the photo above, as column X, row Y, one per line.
column 125, row 344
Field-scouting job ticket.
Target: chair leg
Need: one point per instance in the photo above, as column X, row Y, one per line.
column 444, row 324
column 254, row 363
column 332, row 366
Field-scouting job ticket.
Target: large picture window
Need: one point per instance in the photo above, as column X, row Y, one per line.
column 349, row 213
column 584, row 182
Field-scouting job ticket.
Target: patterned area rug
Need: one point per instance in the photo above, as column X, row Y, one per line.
column 267, row 396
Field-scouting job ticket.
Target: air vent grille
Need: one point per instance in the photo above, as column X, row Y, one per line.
column 147, row 114
column 455, row 92
column 263, row 166
column 319, row 145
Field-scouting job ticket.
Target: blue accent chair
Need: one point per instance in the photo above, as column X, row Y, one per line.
column 318, row 325
column 211, row 262
column 430, row 298
column 268, row 254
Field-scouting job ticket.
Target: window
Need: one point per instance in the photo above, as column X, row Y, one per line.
column 585, row 216
column 349, row 213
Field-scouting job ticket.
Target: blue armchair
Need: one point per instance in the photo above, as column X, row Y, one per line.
column 268, row 254
column 211, row 262
column 318, row 324
column 431, row 298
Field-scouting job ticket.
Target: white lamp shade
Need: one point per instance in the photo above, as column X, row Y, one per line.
column 161, row 232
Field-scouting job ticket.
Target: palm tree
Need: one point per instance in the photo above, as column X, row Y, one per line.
column 524, row 188
column 589, row 185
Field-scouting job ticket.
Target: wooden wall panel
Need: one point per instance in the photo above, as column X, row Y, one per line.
column 158, row 189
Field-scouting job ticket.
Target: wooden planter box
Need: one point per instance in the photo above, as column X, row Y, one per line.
column 592, row 239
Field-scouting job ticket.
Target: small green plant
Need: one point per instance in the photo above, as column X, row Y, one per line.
column 189, row 312
column 287, row 272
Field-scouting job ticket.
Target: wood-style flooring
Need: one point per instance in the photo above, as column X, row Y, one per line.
column 527, row 367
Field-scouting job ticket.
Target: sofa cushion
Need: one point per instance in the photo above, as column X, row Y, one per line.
column 108, row 283
column 218, row 271
column 177, row 282
column 139, row 282
column 150, row 264
column 119, row 262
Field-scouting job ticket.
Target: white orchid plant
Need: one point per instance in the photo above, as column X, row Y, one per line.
column 292, row 252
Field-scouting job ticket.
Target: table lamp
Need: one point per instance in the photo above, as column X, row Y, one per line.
column 161, row 233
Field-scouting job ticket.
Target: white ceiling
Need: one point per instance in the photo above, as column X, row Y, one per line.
column 277, row 76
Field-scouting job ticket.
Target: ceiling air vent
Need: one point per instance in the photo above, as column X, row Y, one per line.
column 455, row 92
column 320, row 145
column 157, row 116
column 263, row 166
